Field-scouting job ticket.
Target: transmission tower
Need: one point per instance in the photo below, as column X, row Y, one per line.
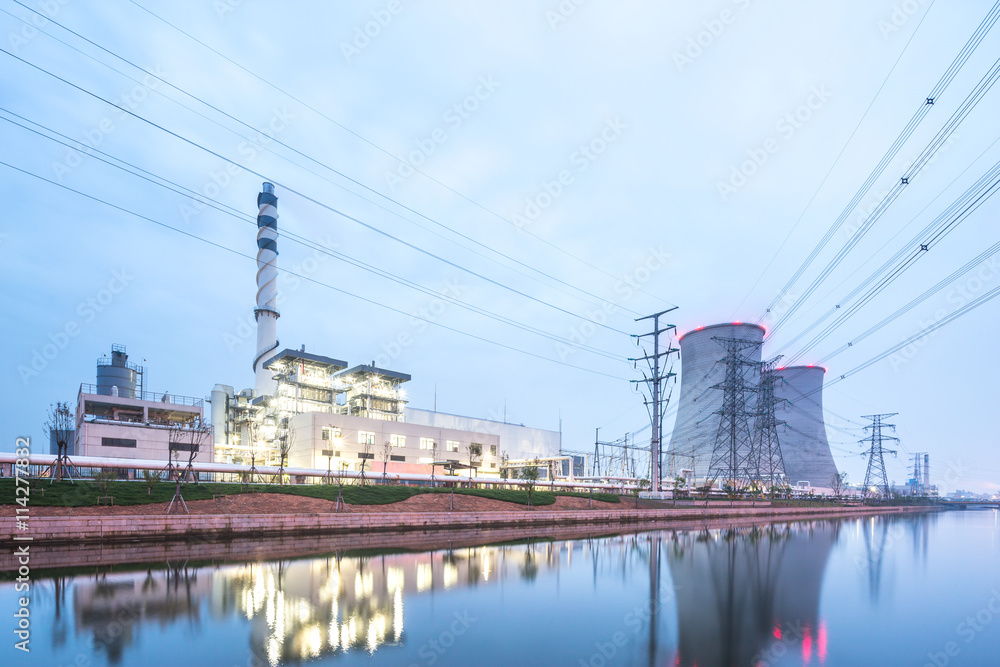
column 875, row 477
column 655, row 380
column 770, row 464
column 734, row 457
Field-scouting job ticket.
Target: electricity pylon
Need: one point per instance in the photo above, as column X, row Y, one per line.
column 655, row 380
column 875, row 477
column 734, row 457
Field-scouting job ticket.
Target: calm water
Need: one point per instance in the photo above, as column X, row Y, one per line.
column 916, row 590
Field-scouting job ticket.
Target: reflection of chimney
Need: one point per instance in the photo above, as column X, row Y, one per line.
column 266, row 312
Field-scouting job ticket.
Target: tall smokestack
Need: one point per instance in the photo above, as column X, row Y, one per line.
column 927, row 473
column 266, row 312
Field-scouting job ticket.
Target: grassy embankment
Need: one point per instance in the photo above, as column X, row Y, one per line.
column 85, row 493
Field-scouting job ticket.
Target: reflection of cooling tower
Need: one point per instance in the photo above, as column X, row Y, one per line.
column 748, row 596
column 804, row 446
column 702, row 367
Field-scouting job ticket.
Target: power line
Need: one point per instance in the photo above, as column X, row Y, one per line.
column 390, row 154
column 911, row 126
column 276, row 140
column 970, row 102
column 305, row 277
column 836, row 161
column 317, row 202
column 313, row 245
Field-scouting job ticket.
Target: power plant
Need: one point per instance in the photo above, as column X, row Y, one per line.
column 732, row 409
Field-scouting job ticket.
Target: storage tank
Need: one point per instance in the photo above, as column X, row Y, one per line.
column 219, row 398
column 702, row 367
column 115, row 376
column 804, row 447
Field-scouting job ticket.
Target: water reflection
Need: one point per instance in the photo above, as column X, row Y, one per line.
column 731, row 595
column 740, row 590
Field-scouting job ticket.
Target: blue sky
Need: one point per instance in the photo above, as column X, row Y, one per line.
column 643, row 154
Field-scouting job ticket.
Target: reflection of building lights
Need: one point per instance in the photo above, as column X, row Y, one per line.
column 363, row 585
column 450, row 575
column 397, row 615
column 273, row 648
column 486, row 565
column 345, row 637
column 425, row 576
column 393, row 578
column 305, row 612
column 312, row 641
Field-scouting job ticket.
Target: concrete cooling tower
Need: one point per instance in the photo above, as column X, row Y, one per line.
column 702, row 366
column 804, row 447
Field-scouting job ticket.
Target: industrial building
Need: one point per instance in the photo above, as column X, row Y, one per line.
column 798, row 408
column 318, row 412
column 118, row 418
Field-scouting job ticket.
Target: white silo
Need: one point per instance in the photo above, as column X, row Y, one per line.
column 703, row 367
column 804, row 447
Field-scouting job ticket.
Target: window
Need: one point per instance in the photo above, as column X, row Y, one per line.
column 452, row 445
column 330, row 432
column 493, row 466
column 493, row 450
column 121, row 442
column 366, row 437
column 397, row 440
column 366, row 456
column 427, row 443
column 395, row 457
column 174, row 446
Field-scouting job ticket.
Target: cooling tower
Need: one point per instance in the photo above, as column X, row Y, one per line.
column 804, row 446
column 702, row 366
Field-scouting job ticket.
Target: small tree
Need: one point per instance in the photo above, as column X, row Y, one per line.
column 151, row 477
column 286, row 441
column 366, row 453
column 837, row 484
column 59, row 425
column 386, row 455
column 475, row 456
column 530, row 476
column 504, row 460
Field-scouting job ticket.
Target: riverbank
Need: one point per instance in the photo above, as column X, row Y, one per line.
column 145, row 524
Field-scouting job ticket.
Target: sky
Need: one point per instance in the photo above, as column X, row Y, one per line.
column 566, row 166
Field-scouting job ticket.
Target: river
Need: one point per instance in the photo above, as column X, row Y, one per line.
column 915, row 589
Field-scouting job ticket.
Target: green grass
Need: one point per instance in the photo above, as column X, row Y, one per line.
column 84, row 493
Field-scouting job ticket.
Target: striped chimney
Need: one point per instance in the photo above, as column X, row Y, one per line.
column 266, row 312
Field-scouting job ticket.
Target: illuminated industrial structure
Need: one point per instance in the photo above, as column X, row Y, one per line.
column 312, row 411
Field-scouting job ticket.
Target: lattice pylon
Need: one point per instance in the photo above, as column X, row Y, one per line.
column 734, row 457
column 771, row 465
